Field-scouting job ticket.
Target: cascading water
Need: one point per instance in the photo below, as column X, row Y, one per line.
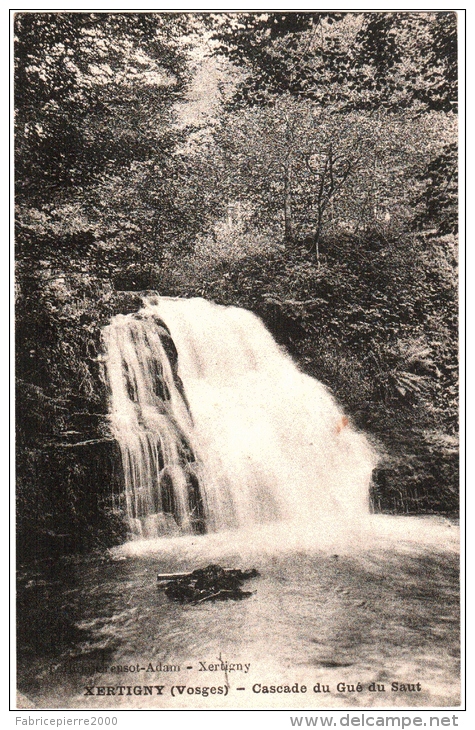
column 218, row 428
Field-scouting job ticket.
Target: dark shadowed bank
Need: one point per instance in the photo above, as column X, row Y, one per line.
column 303, row 166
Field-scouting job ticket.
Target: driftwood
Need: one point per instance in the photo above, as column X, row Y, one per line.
column 89, row 442
column 213, row 583
column 245, row 574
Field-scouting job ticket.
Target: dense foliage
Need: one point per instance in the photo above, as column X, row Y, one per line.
column 311, row 177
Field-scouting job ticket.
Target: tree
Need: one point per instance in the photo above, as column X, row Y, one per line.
column 438, row 199
column 75, row 75
column 407, row 61
column 95, row 97
column 281, row 53
column 348, row 84
column 359, row 60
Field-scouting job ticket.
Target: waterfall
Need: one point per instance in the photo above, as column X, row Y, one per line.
column 217, row 427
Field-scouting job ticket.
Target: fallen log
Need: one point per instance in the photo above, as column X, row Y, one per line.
column 213, row 583
column 245, row 574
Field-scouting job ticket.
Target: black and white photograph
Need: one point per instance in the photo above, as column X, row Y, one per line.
column 237, row 480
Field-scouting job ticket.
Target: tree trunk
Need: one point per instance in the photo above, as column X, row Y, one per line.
column 289, row 228
column 316, row 243
column 315, row 247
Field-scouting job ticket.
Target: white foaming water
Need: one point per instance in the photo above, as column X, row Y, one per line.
column 259, row 544
column 265, row 443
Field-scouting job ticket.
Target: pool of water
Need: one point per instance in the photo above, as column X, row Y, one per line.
column 377, row 608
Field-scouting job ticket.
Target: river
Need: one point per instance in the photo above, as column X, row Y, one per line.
column 369, row 606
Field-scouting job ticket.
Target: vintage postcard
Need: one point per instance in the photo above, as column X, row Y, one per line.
column 237, row 475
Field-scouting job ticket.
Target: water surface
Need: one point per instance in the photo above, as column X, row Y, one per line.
column 379, row 607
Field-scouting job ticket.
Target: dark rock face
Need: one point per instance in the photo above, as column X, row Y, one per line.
column 68, row 465
column 128, row 302
column 63, row 498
